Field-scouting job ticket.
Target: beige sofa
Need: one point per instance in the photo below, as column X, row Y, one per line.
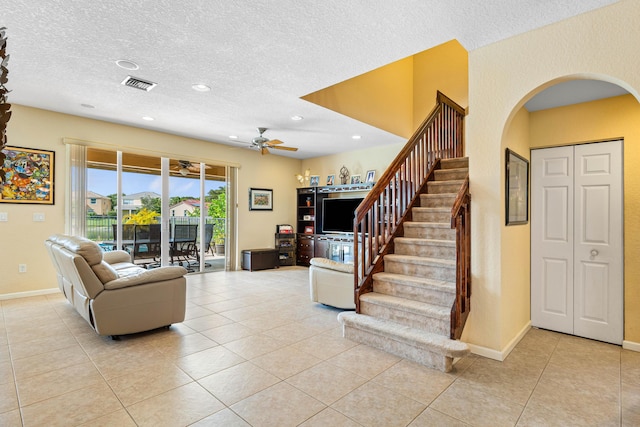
column 115, row 296
column 332, row 283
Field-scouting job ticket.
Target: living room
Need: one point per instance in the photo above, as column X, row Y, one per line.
column 496, row 322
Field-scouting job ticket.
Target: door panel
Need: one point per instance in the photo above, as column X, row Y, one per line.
column 552, row 247
column 598, row 250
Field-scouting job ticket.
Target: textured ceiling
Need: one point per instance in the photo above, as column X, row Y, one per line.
column 259, row 58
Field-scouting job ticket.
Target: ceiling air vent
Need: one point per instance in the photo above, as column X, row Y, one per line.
column 137, row 83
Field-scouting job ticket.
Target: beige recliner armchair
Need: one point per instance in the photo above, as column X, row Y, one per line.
column 332, row 283
column 113, row 295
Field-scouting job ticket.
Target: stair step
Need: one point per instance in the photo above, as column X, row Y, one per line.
column 440, row 187
column 429, row 230
column 456, row 163
column 426, row 214
column 437, row 200
column 451, row 174
column 437, row 292
column 430, row 248
column 437, row 269
column 432, row 350
column 416, row 314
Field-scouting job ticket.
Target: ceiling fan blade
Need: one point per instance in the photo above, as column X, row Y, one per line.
column 275, row 142
column 284, row 148
column 264, row 150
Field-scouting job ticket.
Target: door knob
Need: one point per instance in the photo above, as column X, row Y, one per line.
column 594, row 253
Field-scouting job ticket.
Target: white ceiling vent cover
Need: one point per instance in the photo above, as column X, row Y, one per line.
column 137, row 83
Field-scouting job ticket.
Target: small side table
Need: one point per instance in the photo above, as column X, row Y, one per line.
column 260, row 259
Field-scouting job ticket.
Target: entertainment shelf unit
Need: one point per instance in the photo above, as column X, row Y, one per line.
column 310, row 241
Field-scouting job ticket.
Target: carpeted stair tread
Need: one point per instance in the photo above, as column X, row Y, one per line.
column 438, row 344
column 407, row 305
column 426, row 242
column 412, row 259
column 402, row 279
column 419, row 224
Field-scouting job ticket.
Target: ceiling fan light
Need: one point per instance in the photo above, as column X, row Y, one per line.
column 183, row 171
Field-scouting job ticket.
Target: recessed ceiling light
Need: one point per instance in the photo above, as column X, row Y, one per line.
column 296, row 118
column 126, row 64
column 199, row 87
column 356, row 137
column 233, row 136
column 147, row 118
column 87, row 106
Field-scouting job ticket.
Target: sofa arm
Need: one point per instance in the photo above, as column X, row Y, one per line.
column 332, row 265
column 142, row 276
column 113, row 257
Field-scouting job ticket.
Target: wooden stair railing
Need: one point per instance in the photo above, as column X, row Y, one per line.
column 461, row 221
column 380, row 216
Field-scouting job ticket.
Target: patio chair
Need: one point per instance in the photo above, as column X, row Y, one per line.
column 183, row 244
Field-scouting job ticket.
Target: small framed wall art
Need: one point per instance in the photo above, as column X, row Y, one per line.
column 330, row 179
column 517, row 189
column 260, row 199
column 314, row 180
column 27, row 175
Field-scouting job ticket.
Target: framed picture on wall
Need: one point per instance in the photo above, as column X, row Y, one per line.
column 517, row 189
column 27, row 175
column 371, row 175
column 330, row 179
column 260, row 199
column 355, row 179
column 315, row 180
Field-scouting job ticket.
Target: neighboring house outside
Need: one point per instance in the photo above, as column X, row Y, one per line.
column 184, row 208
column 133, row 202
column 98, row 204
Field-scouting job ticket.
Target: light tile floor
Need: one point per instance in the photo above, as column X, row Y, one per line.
column 254, row 351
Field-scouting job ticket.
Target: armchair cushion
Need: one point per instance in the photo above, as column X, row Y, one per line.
column 114, row 257
column 332, row 265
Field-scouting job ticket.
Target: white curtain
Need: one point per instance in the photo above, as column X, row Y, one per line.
column 76, row 192
column 231, row 241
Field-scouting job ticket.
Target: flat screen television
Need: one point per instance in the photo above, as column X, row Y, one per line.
column 338, row 214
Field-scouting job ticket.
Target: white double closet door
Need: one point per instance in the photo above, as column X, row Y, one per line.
column 577, row 240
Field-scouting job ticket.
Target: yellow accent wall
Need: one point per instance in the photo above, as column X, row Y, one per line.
column 397, row 97
column 502, row 77
column 22, row 239
column 598, row 121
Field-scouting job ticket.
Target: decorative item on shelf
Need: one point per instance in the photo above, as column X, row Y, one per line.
column 308, row 217
column 308, row 229
column 315, row 180
column 284, row 229
column 330, row 179
column 260, row 199
column 355, row 179
column 302, row 178
column 371, row 175
column 344, row 175
column 308, row 201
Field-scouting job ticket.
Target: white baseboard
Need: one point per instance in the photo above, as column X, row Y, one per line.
column 630, row 345
column 29, row 294
column 500, row 355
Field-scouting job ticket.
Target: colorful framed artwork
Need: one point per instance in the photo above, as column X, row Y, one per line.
column 260, row 199
column 315, row 180
column 27, row 175
column 330, row 179
column 355, row 179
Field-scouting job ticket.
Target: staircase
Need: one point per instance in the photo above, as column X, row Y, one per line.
column 409, row 311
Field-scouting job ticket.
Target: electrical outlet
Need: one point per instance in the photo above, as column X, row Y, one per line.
column 4, row 216
column 38, row 217
column 22, row 268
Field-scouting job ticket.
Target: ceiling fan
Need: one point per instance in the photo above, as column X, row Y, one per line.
column 263, row 144
column 184, row 167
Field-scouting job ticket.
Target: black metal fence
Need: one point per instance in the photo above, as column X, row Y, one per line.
column 100, row 228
